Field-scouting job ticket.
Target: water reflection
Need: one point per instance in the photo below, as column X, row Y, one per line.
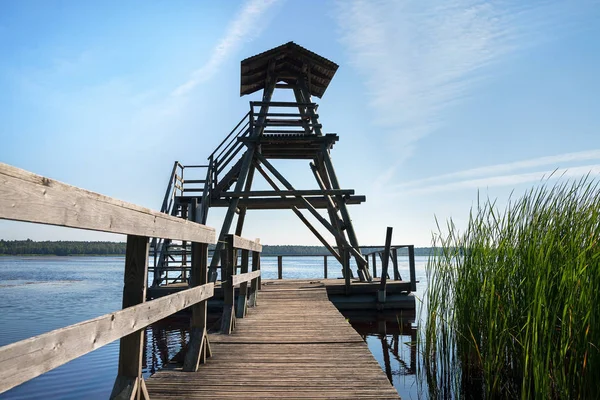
column 392, row 339
column 164, row 343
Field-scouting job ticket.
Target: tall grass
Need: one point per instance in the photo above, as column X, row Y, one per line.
column 513, row 307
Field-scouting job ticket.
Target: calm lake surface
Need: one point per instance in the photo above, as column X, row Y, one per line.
column 39, row 294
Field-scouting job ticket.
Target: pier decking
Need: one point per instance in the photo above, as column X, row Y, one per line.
column 294, row 344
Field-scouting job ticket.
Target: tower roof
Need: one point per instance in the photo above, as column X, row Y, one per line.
column 291, row 61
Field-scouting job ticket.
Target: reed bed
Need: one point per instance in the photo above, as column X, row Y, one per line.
column 513, row 301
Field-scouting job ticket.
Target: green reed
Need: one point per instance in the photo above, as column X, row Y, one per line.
column 513, row 307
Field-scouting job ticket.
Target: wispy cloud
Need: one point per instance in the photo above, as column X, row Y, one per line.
column 245, row 27
column 421, row 57
column 556, row 161
column 506, row 180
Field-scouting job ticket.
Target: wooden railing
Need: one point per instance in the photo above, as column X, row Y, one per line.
column 28, row 197
column 229, row 279
column 385, row 253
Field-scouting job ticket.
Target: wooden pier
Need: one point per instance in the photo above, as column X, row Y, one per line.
column 291, row 341
column 294, row 345
column 288, row 342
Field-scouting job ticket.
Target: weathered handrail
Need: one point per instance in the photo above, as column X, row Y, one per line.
column 28, row 197
column 21, row 361
column 229, row 279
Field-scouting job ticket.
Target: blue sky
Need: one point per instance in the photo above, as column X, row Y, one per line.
column 434, row 101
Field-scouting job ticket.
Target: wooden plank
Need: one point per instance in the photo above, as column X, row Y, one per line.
column 246, row 244
column 267, row 203
column 244, row 277
column 266, row 193
column 134, row 293
column 24, row 360
column 296, row 345
column 33, row 198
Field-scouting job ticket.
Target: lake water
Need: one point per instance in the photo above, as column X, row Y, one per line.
column 39, row 294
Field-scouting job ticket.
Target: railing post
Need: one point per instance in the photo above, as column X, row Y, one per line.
column 384, row 266
column 260, row 277
column 324, row 267
column 129, row 383
column 347, row 272
column 394, row 253
column 227, row 272
column 199, row 347
column 411, row 265
column 242, row 299
column 255, row 282
column 374, row 265
column 279, row 267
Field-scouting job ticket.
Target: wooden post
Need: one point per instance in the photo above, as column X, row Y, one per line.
column 129, row 383
column 227, row 271
column 325, row 267
column 260, row 277
column 279, row 267
column 384, row 267
column 374, row 265
column 411, row 264
column 199, row 347
column 254, row 284
column 347, row 273
column 394, row 253
column 242, row 299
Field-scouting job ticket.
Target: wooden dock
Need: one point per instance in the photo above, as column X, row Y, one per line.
column 294, row 344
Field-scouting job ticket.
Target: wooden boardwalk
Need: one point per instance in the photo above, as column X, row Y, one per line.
column 295, row 345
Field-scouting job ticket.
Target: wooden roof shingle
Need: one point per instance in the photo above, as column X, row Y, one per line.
column 290, row 62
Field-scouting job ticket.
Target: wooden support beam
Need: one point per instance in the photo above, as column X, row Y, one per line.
column 310, row 208
column 247, row 160
column 347, row 272
column 279, row 267
column 198, row 349
column 129, row 379
column 267, row 203
column 281, row 193
column 411, row 267
column 252, row 298
column 374, row 265
column 360, row 261
column 33, row 198
column 242, row 214
column 242, row 280
column 394, row 254
column 384, row 266
column 324, row 267
column 227, row 272
column 331, row 208
column 300, row 215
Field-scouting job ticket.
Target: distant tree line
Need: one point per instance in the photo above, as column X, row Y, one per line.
column 71, row 248
column 60, row 248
